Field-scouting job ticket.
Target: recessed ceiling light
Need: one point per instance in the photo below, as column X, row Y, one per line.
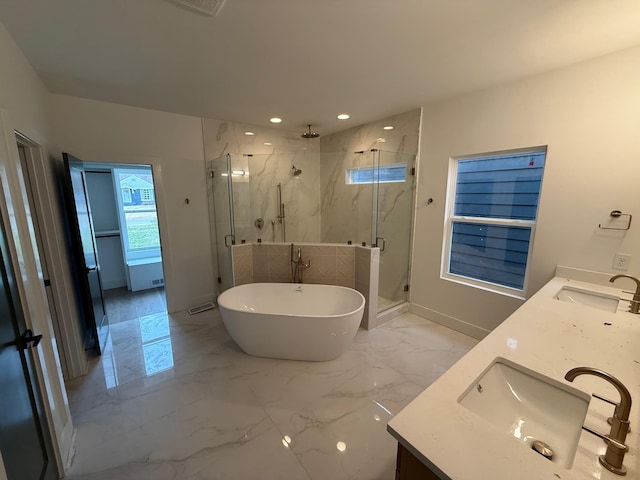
column 267, row 143
column 249, row 133
column 388, row 127
column 275, row 120
column 343, row 116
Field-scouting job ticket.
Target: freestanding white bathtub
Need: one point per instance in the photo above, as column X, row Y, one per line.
column 292, row 321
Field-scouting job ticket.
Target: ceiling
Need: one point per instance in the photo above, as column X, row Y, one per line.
column 307, row 60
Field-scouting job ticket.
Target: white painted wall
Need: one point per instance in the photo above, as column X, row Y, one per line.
column 105, row 219
column 110, row 133
column 588, row 115
column 23, row 108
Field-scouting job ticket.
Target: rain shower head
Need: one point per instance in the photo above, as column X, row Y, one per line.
column 296, row 171
column 310, row 134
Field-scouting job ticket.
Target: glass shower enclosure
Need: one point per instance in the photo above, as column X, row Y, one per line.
column 361, row 197
column 393, row 200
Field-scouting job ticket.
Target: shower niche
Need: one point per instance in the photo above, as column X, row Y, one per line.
column 358, row 198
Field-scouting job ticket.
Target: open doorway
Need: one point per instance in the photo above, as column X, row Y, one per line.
column 125, row 218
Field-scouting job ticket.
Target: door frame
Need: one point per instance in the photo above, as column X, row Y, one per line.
column 16, row 215
column 73, row 358
column 26, row 359
column 113, row 161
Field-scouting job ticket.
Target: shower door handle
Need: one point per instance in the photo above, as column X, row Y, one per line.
column 233, row 240
column 384, row 243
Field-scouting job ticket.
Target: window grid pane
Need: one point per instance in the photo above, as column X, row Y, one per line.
column 498, row 196
column 491, row 253
column 383, row 174
column 139, row 209
column 499, row 187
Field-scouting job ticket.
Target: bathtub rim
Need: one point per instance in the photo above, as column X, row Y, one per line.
column 299, row 315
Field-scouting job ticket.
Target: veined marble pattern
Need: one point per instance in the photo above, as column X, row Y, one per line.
column 122, row 304
column 173, row 397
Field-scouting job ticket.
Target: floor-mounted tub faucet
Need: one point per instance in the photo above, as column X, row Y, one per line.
column 635, row 303
column 298, row 265
column 614, row 455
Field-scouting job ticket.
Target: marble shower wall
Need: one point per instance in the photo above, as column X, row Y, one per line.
column 402, row 139
column 347, row 209
column 255, row 196
column 267, row 165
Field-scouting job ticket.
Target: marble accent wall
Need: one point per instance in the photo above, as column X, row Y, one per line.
column 402, row 139
column 347, row 209
column 257, row 198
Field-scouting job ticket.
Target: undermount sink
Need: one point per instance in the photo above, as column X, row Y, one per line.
column 602, row 301
column 530, row 407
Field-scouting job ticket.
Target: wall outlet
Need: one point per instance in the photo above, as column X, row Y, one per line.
column 621, row 261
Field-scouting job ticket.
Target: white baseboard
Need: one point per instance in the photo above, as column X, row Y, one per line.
column 449, row 322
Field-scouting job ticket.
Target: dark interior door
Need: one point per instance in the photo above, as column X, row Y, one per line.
column 85, row 257
column 25, row 442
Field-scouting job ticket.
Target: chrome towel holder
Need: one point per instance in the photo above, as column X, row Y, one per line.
column 618, row 214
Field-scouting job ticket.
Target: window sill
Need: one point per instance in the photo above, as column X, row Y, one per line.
column 487, row 287
column 144, row 261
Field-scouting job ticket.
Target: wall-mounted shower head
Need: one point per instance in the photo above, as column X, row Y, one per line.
column 310, row 134
column 295, row 171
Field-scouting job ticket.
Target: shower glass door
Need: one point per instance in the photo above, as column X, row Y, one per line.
column 392, row 210
column 220, row 203
column 239, row 180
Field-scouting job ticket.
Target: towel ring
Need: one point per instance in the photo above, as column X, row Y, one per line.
column 618, row 214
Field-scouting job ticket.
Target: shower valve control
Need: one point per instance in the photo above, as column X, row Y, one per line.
column 259, row 223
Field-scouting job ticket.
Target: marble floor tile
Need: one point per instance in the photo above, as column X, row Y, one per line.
column 173, row 397
column 343, row 432
column 122, row 305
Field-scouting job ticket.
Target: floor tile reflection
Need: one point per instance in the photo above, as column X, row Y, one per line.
column 173, row 397
column 122, row 305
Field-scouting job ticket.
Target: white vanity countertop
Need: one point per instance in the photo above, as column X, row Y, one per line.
column 550, row 337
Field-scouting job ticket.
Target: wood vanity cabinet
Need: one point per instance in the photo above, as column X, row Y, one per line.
column 408, row 467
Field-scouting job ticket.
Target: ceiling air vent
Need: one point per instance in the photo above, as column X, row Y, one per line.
column 208, row 7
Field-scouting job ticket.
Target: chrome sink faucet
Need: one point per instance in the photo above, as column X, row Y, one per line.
column 614, row 455
column 635, row 303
